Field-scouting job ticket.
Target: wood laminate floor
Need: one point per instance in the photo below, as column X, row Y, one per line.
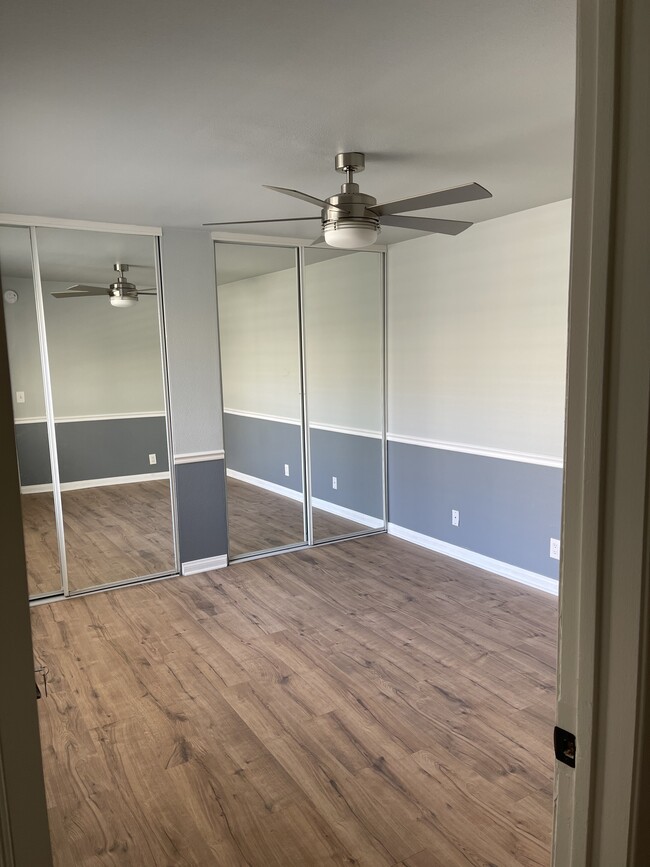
column 259, row 520
column 112, row 533
column 368, row 703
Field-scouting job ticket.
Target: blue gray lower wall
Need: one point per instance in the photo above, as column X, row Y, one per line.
column 94, row 449
column 201, row 500
column 508, row 510
column 261, row 447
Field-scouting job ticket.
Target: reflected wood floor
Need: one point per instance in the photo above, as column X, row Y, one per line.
column 112, row 533
column 259, row 520
column 368, row 703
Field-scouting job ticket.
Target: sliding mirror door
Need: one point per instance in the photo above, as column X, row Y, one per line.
column 343, row 299
column 109, row 404
column 259, row 335
column 32, row 440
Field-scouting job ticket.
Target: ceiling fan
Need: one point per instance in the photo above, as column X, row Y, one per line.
column 120, row 294
column 351, row 220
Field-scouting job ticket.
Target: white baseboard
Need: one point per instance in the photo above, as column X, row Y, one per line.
column 193, row 567
column 324, row 505
column 505, row 570
column 268, row 486
column 95, row 483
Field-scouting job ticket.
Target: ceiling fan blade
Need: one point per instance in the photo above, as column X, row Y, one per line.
column 146, row 292
column 426, row 224
column 80, row 291
column 453, row 196
column 321, row 203
column 248, row 222
column 319, row 240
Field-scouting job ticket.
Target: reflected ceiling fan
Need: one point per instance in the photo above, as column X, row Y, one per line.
column 351, row 220
column 120, row 294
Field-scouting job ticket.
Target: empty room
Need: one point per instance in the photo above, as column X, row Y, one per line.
column 286, row 307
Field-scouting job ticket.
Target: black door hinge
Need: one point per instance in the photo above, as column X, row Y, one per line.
column 565, row 746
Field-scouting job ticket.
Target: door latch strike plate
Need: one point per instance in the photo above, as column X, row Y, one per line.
column 565, row 746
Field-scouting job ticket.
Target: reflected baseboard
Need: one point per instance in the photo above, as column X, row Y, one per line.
column 95, row 483
column 194, row 567
column 350, row 514
column 323, row 505
column 267, row 486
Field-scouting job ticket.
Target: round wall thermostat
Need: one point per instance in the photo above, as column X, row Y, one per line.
column 10, row 296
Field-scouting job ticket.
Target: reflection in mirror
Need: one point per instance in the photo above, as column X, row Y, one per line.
column 259, row 336
column 107, row 384
column 32, row 445
column 343, row 300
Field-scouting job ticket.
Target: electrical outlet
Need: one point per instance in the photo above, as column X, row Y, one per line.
column 335, row 483
column 455, row 518
column 554, row 551
column 286, row 469
column 20, row 397
column 153, row 459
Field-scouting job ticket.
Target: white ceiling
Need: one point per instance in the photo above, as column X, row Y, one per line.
column 175, row 113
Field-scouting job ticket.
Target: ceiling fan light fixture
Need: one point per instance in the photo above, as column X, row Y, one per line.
column 123, row 300
column 351, row 234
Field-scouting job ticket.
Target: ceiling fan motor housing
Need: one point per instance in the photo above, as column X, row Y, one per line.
column 122, row 293
column 360, row 227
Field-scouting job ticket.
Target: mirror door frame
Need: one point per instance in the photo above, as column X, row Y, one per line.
column 300, row 245
column 32, row 224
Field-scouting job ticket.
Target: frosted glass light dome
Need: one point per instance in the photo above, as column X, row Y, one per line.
column 123, row 300
column 351, row 234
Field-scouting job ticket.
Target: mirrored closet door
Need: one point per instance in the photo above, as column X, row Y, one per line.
column 343, row 298
column 259, row 334
column 301, row 335
column 108, row 398
column 87, row 362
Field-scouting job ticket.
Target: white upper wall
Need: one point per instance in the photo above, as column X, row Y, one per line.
column 478, row 334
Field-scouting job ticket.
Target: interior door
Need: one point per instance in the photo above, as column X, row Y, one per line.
column 343, row 297
column 259, row 336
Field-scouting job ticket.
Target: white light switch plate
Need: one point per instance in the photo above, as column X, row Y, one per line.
column 20, row 397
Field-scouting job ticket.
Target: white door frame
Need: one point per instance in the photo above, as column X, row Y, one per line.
column 604, row 583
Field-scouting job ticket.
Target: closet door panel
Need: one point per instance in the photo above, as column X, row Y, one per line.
column 344, row 324
column 259, row 337
column 109, row 402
